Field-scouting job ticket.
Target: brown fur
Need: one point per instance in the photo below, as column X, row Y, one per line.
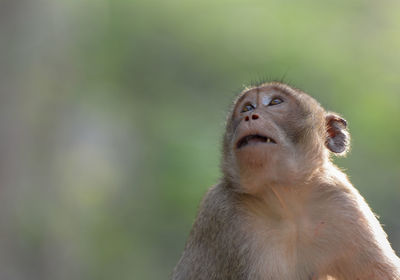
column 283, row 210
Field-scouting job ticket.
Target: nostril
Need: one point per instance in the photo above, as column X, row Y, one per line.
column 254, row 116
column 246, row 118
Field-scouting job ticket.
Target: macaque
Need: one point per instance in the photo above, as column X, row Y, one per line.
column 283, row 210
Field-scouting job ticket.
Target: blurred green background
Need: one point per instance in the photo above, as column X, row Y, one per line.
column 112, row 113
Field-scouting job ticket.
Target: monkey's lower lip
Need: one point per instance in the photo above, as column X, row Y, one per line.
column 254, row 138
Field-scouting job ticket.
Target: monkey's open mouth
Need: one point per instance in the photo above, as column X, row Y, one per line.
column 253, row 139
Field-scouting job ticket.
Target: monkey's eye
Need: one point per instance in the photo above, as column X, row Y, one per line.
column 275, row 101
column 247, row 107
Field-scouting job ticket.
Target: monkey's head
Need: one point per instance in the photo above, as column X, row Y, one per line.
column 276, row 134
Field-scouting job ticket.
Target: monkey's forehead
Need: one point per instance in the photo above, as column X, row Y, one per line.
column 266, row 87
column 284, row 88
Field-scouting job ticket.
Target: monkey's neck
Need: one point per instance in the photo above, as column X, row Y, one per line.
column 280, row 199
column 276, row 202
column 290, row 201
column 287, row 202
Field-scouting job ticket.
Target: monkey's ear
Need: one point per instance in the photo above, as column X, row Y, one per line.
column 338, row 138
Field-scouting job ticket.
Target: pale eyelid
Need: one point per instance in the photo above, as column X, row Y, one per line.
column 266, row 100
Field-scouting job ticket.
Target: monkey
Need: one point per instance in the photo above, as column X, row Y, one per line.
column 282, row 209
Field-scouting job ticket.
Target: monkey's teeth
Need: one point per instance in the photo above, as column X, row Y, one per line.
column 253, row 139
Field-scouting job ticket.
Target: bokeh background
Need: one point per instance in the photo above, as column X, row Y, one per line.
column 112, row 113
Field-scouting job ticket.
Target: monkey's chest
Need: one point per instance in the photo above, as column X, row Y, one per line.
column 291, row 249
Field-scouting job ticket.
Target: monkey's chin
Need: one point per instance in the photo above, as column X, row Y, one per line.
column 262, row 165
column 255, row 158
column 256, row 153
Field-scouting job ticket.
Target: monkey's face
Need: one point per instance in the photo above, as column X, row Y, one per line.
column 275, row 135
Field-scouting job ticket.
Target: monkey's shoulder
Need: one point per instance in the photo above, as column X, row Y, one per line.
column 214, row 249
column 219, row 209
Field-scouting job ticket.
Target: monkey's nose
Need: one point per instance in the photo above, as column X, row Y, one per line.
column 254, row 116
